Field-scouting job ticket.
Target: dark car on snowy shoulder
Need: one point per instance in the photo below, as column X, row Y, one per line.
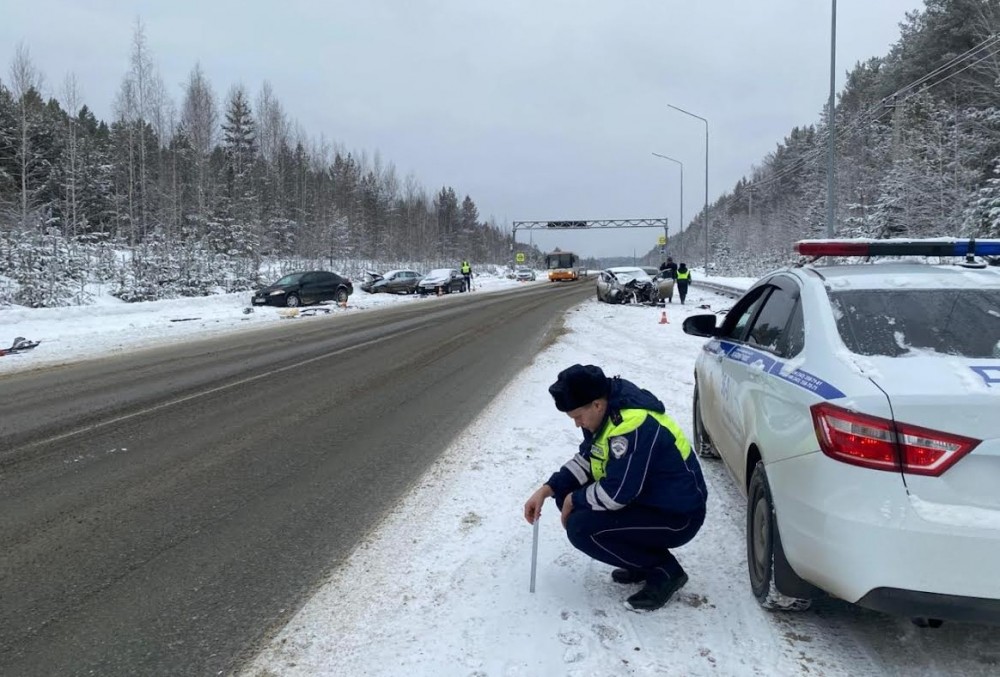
column 297, row 289
column 392, row 282
column 442, row 281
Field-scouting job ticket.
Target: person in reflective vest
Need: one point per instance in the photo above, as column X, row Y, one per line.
column 683, row 280
column 467, row 274
column 634, row 491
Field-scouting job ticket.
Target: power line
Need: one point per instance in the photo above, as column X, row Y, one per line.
column 878, row 110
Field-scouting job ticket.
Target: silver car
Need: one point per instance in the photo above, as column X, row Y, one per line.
column 524, row 274
column 663, row 283
column 629, row 284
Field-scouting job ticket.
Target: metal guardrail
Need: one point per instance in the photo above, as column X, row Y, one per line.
column 721, row 289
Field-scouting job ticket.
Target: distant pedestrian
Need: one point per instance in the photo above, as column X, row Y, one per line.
column 668, row 269
column 683, row 280
column 467, row 274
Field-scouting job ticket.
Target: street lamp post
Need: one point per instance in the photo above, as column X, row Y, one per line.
column 681, row 110
column 680, row 222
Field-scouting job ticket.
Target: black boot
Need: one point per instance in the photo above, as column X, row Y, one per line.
column 655, row 593
column 626, row 576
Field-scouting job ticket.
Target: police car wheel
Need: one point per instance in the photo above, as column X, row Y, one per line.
column 702, row 443
column 763, row 541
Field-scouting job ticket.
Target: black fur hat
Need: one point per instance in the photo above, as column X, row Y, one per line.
column 579, row 385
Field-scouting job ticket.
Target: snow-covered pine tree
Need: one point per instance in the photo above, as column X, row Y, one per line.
column 238, row 210
column 468, row 226
column 982, row 217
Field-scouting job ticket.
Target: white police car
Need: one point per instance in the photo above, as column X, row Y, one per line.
column 858, row 408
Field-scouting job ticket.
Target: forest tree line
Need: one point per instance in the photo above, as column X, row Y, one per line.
column 187, row 198
column 173, row 199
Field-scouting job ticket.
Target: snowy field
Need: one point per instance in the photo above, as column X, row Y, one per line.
column 441, row 588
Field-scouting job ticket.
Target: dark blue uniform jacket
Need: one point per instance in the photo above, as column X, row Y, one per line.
column 651, row 472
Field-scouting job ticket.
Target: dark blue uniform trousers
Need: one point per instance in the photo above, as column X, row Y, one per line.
column 636, row 538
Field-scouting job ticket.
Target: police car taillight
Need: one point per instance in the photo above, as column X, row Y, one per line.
column 881, row 444
column 865, row 247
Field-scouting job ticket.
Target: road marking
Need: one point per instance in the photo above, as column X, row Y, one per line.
column 187, row 398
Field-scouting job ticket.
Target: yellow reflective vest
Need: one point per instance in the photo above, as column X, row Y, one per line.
column 630, row 420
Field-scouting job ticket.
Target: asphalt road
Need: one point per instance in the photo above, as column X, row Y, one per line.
column 162, row 512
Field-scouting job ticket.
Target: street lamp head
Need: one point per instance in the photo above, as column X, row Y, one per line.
column 667, row 157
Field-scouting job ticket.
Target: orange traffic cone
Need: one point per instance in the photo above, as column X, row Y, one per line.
column 663, row 318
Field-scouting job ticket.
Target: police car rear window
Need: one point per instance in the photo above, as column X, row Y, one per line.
column 895, row 322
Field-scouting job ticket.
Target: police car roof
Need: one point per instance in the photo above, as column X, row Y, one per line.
column 886, row 274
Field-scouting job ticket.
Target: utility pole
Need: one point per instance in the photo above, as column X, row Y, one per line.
column 831, row 187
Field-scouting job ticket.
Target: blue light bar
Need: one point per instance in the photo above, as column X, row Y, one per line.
column 867, row 247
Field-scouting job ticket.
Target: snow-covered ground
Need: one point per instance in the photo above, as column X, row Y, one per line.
column 441, row 588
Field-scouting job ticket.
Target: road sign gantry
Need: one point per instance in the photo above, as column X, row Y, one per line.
column 597, row 223
column 594, row 223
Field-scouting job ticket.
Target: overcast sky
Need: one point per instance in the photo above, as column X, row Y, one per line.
column 538, row 109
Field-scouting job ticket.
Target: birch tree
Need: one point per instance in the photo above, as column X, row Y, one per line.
column 25, row 85
column 72, row 100
column 139, row 112
column 272, row 137
column 199, row 126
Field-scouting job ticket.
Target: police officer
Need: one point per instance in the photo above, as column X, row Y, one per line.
column 467, row 274
column 683, row 280
column 635, row 489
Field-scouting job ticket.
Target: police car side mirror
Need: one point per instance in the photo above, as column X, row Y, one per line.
column 701, row 325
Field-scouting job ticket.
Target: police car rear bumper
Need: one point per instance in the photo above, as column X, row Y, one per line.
column 853, row 532
column 932, row 605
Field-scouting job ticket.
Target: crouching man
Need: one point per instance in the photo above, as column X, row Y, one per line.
column 635, row 489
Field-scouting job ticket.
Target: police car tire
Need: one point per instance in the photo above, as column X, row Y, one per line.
column 762, row 542
column 702, row 443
